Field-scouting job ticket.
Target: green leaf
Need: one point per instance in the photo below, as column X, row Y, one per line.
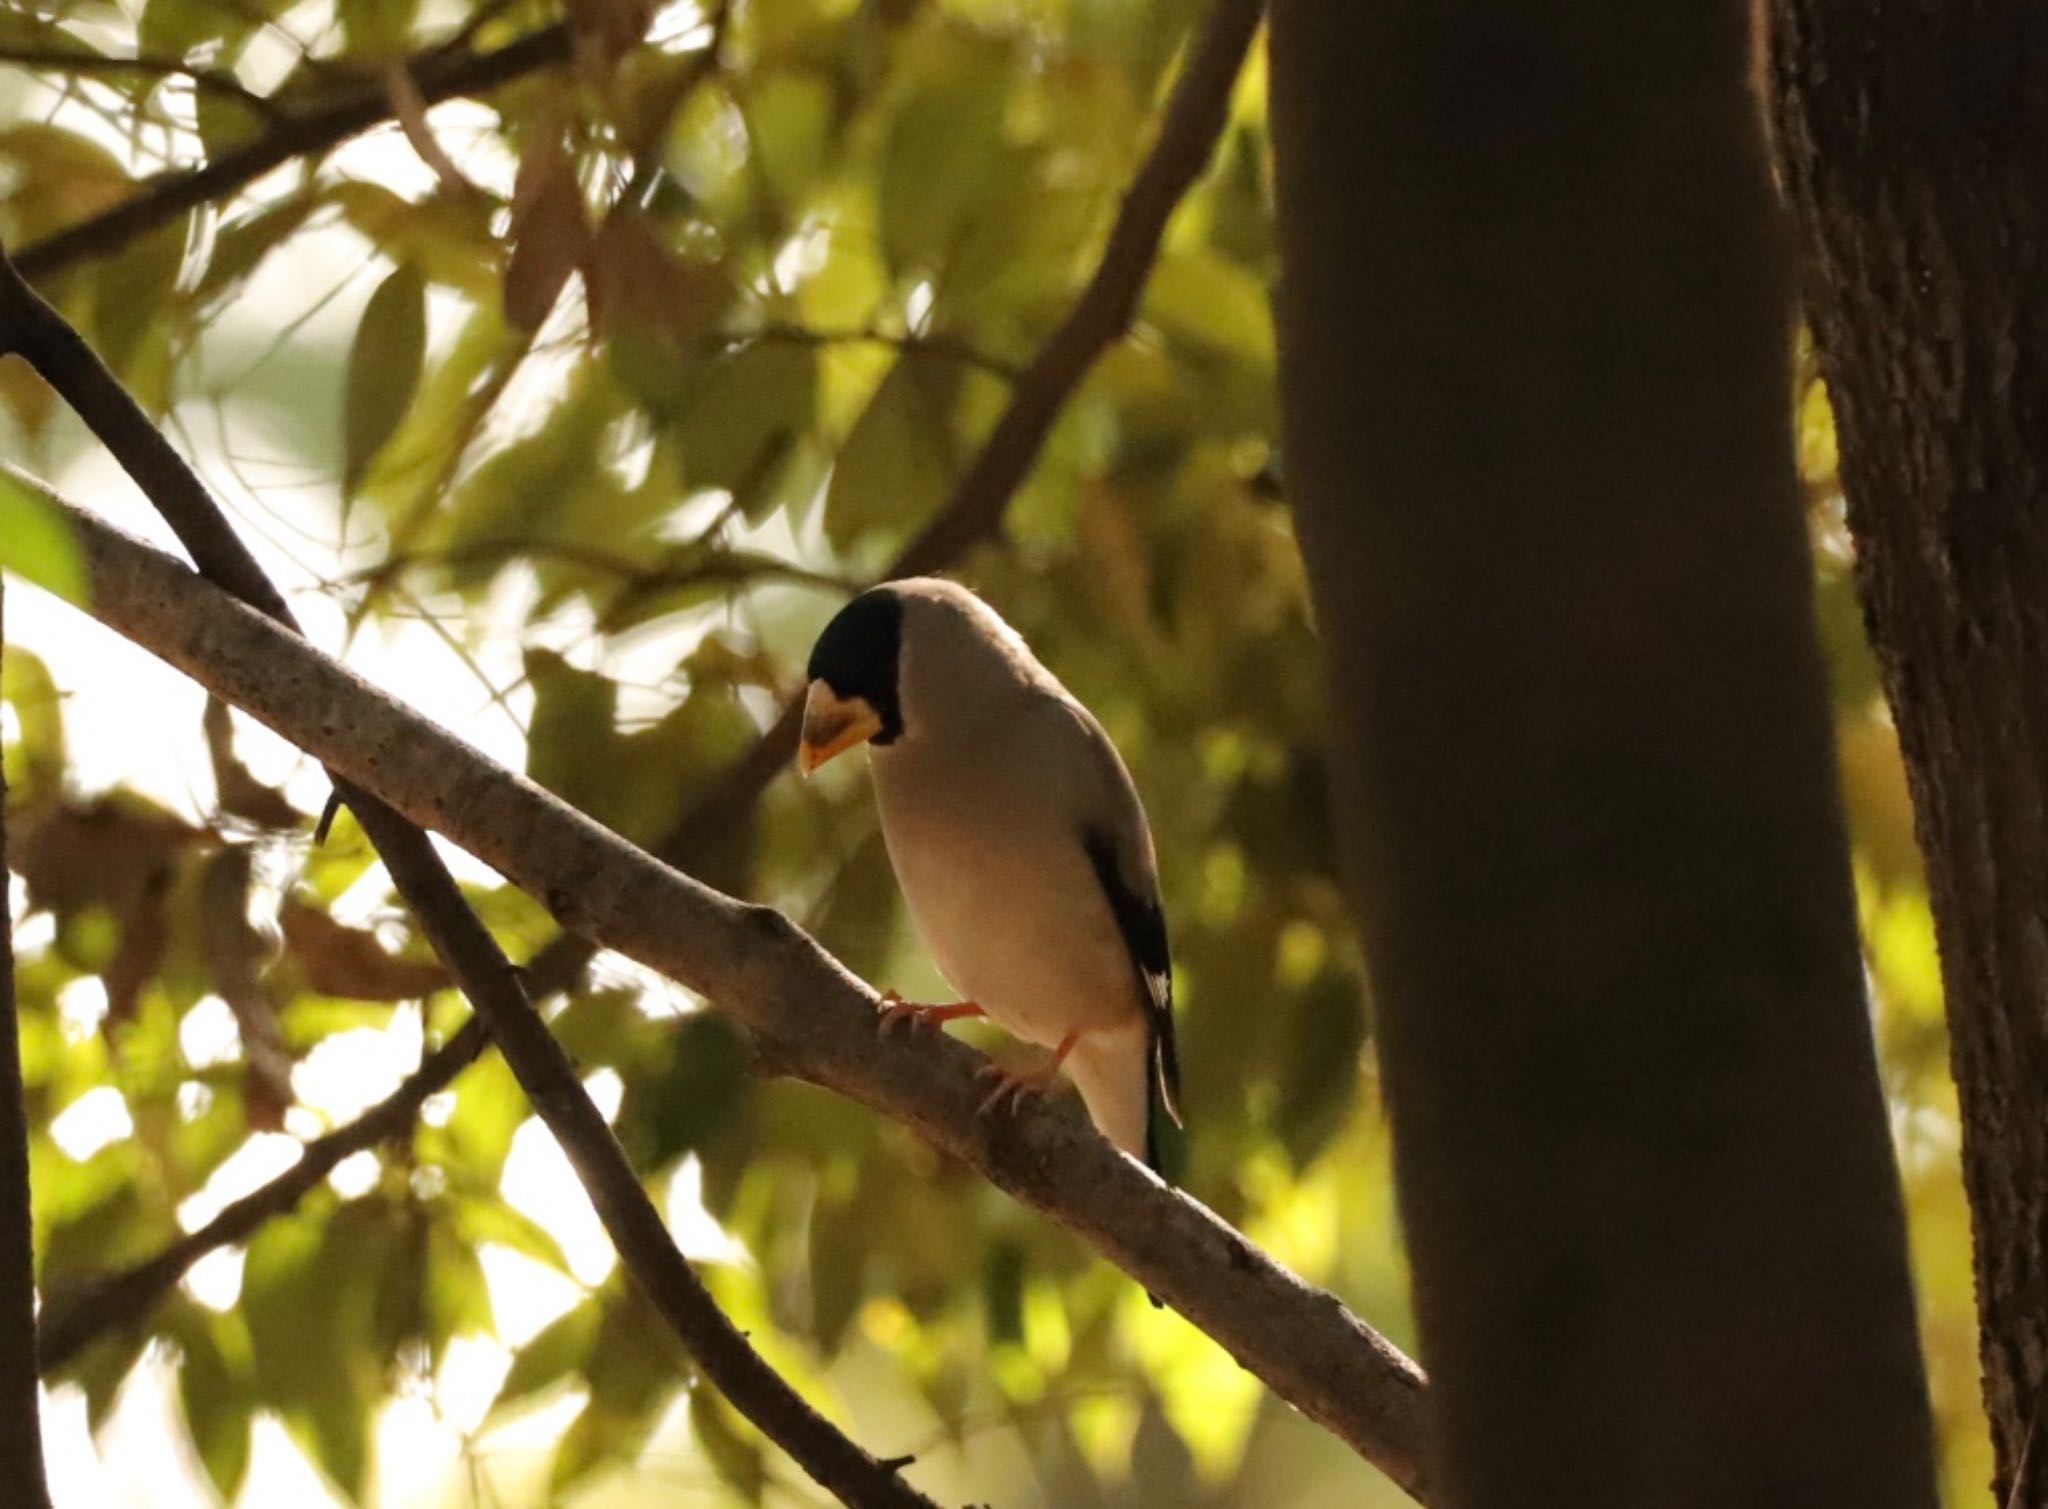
column 215, row 1397
column 310, row 1287
column 383, row 369
column 569, row 738
column 558, row 1349
column 632, row 1369
column 1322, row 1071
column 858, row 922
column 239, row 248
column 489, row 1108
column 1201, row 298
column 376, row 28
column 945, row 144
column 699, row 1095
column 132, row 296
column 225, row 121
column 36, row 539
column 486, row 1218
column 790, row 120
column 734, row 1450
column 754, row 405
column 897, row 465
column 458, row 1300
column 35, row 767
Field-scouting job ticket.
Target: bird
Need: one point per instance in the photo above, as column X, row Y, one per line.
column 1019, row 843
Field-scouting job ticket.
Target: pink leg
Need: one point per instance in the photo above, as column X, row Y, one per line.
column 896, row 1010
column 1013, row 1085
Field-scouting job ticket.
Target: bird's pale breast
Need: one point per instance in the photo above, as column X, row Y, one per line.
column 1001, row 891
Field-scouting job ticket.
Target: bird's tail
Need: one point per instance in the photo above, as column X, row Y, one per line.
column 1113, row 1071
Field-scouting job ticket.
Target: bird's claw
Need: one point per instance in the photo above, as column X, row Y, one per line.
column 1014, row 1085
column 895, row 1011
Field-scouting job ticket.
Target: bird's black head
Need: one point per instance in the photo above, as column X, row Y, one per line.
column 858, row 654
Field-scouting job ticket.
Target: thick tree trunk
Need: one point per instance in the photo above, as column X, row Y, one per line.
column 21, row 1432
column 1534, row 339
column 1913, row 141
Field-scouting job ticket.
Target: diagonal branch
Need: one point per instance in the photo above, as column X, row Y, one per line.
column 438, row 75
column 31, row 328
column 807, row 1016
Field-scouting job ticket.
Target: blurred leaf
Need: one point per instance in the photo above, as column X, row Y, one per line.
column 36, row 540
column 899, row 462
column 489, row 1107
column 488, row 1219
column 733, row 1448
column 240, row 246
column 458, row 1300
column 1002, row 1285
column 376, row 28
column 839, row 1241
column 1323, row 1064
column 750, row 408
column 1199, row 297
column 858, row 922
column 238, row 792
column 559, row 1349
column 60, row 177
column 790, row 121
column 235, row 954
column 35, row 769
column 133, row 295
column 345, row 961
column 632, row 1368
column 944, row 145
column 691, row 1101
column 214, row 1395
column 309, row 1292
column 550, row 234
column 383, row 369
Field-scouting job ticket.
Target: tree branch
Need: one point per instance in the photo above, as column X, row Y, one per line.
column 21, row 1432
column 722, row 1353
column 439, row 76
column 808, row 1017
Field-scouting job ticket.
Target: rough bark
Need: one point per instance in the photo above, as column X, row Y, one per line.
column 1913, row 145
column 21, row 1432
column 1534, row 349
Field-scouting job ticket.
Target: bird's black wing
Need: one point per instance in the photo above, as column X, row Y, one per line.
column 1143, row 926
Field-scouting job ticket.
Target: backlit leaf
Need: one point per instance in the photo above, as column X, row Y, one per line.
column 383, row 369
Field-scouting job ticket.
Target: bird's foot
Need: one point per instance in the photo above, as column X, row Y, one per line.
column 896, row 1011
column 1013, row 1085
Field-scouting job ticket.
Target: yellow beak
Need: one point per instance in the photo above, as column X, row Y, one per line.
column 833, row 725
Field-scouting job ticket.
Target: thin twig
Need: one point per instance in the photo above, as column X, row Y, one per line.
column 720, row 1351
column 93, row 64
column 316, row 131
column 939, row 343
column 736, row 567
